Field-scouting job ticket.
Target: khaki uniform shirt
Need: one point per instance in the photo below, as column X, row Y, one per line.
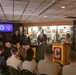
column 14, row 62
column 69, row 69
column 29, row 65
column 48, row 67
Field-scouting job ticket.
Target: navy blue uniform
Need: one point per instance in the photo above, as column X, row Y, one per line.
column 3, row 63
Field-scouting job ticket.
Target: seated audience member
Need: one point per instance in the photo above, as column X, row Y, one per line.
column 27, row 47
column 7, row 49
column 22, row 51
column 48, row 67
column 13, row 61
column 29, row 64
column 2, row 60
column 3, row 39
column 0, row 43
column 71, row 68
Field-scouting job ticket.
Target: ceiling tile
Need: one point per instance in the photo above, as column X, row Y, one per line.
column 29, row 10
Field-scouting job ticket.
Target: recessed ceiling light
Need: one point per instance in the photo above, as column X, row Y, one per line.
column 63, row 7
column 45, row 16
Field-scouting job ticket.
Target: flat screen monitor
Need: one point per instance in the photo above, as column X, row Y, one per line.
column 6, row 27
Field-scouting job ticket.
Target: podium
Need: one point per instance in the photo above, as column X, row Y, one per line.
column 61, row 52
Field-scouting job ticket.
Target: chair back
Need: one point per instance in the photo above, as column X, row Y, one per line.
column 43, row 74
column 26, row 72
column 12, row 71
column 1, row 72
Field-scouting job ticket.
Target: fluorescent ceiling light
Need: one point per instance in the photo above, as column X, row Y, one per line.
column 63, row 7
column 45, row 16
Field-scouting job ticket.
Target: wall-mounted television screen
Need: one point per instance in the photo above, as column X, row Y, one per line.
column 6, row 27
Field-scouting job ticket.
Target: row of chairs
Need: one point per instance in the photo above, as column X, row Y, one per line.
column 13, row 71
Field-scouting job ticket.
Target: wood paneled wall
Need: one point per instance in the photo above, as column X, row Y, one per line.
column 48, row 23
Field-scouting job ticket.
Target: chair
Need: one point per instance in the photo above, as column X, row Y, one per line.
column 59, row 63
column 43, row 74
column 26, row 72
column 1, row 72
column 12, row 71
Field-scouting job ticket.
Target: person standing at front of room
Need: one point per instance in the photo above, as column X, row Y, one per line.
column 25, row 40
column 42, row 38
column 16, row 38
column 68, row 39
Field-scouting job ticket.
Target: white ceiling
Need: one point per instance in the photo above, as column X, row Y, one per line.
column 24, row 11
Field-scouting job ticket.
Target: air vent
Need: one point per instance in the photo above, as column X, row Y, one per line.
column 53, row 2
column 20, row 0
column 16, row 21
